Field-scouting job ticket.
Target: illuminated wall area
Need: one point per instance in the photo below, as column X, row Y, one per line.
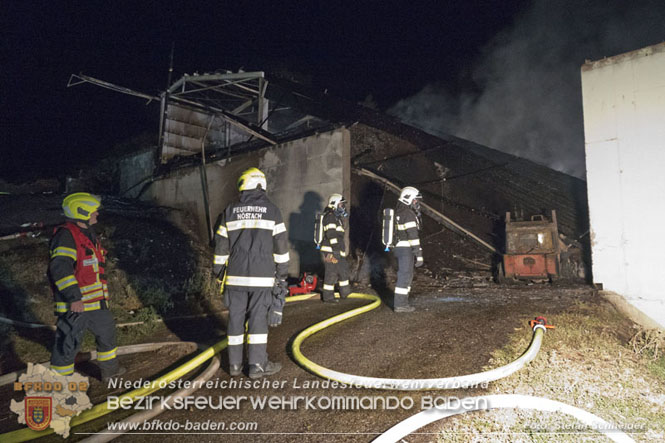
column 301, row 174
column 624, row 125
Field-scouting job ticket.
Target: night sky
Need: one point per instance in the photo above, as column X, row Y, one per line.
column 445, row 66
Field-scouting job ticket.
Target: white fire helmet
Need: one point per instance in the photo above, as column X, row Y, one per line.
column 338, row 204
column 334, row 200
column 408, row 195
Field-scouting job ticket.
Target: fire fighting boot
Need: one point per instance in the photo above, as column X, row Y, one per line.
column 235, row 370
column 270, row 368
column 330, row 300
column 107, row 377
column 401, row 303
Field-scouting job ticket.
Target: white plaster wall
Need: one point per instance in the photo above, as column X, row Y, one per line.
column 624, row 125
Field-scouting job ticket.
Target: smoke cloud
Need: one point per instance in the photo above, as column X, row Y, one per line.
column 523, row 94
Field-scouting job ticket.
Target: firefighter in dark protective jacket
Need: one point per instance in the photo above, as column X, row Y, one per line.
column 334, row 250
column 407, row 250
column 252, row 259
column 76, row 272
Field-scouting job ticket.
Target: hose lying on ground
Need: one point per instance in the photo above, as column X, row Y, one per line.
column 102, row 409
column 411, row 424
column 11, row 377
column 370, row 382
column 23, row 324
column 124, row 425
column 402, row 384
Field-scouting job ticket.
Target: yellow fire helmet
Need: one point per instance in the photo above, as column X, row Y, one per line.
column 252, row 179
column 81, row 205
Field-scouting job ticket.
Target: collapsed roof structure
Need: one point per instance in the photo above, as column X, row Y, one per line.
column 221, row 111
column 221, row 116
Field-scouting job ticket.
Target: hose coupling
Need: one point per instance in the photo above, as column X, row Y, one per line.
column 540, row 322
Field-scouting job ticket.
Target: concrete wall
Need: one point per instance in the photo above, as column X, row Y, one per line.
column 301, row 175
column 624, row 125
column 135, row 168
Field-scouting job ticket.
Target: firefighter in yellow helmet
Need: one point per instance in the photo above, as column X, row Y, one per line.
column 252, row 258
column 76, row 272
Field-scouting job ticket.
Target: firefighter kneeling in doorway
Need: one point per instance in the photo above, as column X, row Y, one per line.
column 407, row 249
column 251, row 261
column 76, row 272
column 334, row 250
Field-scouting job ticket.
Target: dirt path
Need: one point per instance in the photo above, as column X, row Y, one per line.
column 453, row 332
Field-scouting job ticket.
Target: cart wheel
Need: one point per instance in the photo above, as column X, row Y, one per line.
column 499, row 277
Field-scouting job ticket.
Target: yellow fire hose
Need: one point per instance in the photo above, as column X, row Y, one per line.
column 102, row 409
column 539, row 327
column 11, row 377
column 140, row 417
column 377, row 383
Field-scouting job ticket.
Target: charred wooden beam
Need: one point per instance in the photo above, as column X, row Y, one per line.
column 428, row 210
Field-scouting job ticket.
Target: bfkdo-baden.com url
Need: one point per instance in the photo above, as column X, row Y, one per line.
column 187, row 426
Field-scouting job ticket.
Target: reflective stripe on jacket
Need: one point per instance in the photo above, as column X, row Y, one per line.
column 333, row 234
column 85, row 271
column 406, row 227
column 252, row 242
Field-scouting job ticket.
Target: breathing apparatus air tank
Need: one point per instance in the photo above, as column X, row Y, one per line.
column 318, row 230
column 388, row 228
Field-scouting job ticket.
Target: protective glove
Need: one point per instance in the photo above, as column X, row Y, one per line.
column 275, row 311
column 281, row 289
column 274, row 318
column 419, row 262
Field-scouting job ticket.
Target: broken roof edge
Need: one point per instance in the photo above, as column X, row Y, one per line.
column 180, row 162
column 337, row 111
column 216, row 76
column 235, row 120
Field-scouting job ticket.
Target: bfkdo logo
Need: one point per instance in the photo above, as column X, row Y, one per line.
column 38, row 412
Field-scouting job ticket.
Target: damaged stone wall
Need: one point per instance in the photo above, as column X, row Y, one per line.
column 134, row 170
column 301, row 174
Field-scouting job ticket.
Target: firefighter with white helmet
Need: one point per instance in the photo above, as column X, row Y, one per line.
column 407, row 248
column 252, row 259
column 76, row 272
column 333, row 248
